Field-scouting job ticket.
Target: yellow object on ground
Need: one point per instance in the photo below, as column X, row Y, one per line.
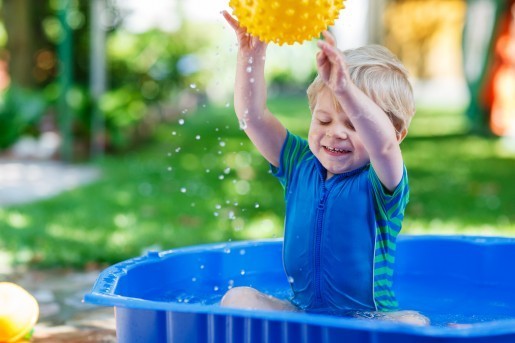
column 286, row 21
column 19, row 312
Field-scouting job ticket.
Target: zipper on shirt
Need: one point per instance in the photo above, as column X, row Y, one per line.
column 318, row 243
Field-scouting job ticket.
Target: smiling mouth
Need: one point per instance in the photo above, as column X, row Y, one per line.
column 335, row 150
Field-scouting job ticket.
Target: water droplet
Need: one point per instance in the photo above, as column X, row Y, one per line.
column 256, row 205
column 291, row 279
column 184, row 111
column 186, row 301
column 215, row 288
column 218, row 206
column 194, row 279
column 202, row 266
column 193, row 86
column 230, row 284
column 249, row 69
column 216, row 214
column 242, row 272
column 222, row 144
column 231, row 215
column 242, row 251
column 197, row 137
column 174, row 133
column 227, row 105
column 178, row 149
column 251, row 60
column 252, row 80
column 227, row 250
column 221, row 177
column 183, row 190
column 227, row 170
column 208, row 170
column 181, row 121
column 243, row 124
column 169, row 168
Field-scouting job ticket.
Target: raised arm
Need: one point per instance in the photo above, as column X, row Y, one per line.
column 263, row 129
column 370, row 121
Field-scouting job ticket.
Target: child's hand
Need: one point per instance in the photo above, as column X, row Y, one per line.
column 248, row 44
column 331, row 64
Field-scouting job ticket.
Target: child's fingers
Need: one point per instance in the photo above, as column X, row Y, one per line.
column 331, row 53
column 230, row 19
column 320, row 57
column 329, row 38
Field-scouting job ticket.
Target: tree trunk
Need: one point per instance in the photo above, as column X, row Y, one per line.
column 24, row 33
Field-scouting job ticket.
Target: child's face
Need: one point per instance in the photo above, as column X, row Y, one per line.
column 333, row 139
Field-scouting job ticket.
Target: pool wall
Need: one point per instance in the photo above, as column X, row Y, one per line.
column 464, row 284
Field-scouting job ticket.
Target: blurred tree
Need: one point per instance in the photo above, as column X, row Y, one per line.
column 27, row 46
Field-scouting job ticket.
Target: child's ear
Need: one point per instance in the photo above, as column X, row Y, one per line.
column 401, row 135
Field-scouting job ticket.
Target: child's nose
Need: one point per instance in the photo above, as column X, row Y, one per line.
column 337, row 132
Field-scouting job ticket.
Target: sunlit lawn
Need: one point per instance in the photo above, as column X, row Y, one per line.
column 203, row 182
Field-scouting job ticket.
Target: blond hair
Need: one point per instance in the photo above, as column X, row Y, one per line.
column 382, row 77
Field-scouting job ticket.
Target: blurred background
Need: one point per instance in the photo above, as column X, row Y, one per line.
column 127, row 106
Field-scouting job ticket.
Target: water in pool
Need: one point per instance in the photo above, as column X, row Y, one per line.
column 453, row 302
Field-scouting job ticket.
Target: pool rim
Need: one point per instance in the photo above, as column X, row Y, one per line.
column 102, row 294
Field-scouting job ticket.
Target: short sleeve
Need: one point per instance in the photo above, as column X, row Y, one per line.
column 294, row 150
column 390, row 206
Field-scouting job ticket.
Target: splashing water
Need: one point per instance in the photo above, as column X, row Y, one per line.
column 183, row 190
column 243, row 124
column 249, row 69
column 181, row 121
column 193, row 86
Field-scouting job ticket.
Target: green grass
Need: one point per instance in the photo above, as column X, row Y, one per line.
column 179, row 190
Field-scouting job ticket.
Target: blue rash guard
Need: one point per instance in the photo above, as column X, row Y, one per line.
column 340, row 234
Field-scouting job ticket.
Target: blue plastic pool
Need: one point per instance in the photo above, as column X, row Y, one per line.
column 463, row 284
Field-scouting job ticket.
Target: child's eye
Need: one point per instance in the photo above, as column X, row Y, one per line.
column 323, row 122
column 350, row 126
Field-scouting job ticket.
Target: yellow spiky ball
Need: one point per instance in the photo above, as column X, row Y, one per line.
column 286, row 21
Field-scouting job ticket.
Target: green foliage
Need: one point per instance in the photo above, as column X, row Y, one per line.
column 20, row 110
